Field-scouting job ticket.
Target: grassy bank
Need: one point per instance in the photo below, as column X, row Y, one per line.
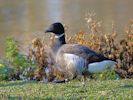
column 94, row 90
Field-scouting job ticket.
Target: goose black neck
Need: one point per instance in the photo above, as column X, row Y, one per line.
column 62, row 39
column 58, row 42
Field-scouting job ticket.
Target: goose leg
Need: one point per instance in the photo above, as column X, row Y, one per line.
column 85, row 75
column 83, row 80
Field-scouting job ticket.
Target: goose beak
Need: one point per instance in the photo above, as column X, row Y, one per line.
column 47, row 30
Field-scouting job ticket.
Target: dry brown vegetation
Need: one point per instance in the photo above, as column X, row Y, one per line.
column 108, row 45
column 37, row 54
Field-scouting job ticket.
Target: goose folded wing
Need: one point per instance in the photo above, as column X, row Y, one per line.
column 83, row 51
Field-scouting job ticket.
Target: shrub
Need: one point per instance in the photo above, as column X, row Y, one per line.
column 5, row 72
column 17, row 61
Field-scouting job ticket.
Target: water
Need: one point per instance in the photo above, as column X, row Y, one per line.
column 26, row 19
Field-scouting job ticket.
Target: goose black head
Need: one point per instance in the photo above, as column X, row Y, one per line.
column 59, row 39
column 56, row 28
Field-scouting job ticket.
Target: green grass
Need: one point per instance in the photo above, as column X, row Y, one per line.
column 94, row 90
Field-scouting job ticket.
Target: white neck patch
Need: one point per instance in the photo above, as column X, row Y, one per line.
column 59, row 36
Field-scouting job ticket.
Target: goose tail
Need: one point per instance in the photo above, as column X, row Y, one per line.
column 101, row 66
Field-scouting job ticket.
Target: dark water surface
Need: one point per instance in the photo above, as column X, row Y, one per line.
column 26, row 19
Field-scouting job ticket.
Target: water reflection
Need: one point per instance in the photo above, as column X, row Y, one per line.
column 26, row 19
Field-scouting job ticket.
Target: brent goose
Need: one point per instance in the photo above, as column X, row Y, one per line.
column 75, row 59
